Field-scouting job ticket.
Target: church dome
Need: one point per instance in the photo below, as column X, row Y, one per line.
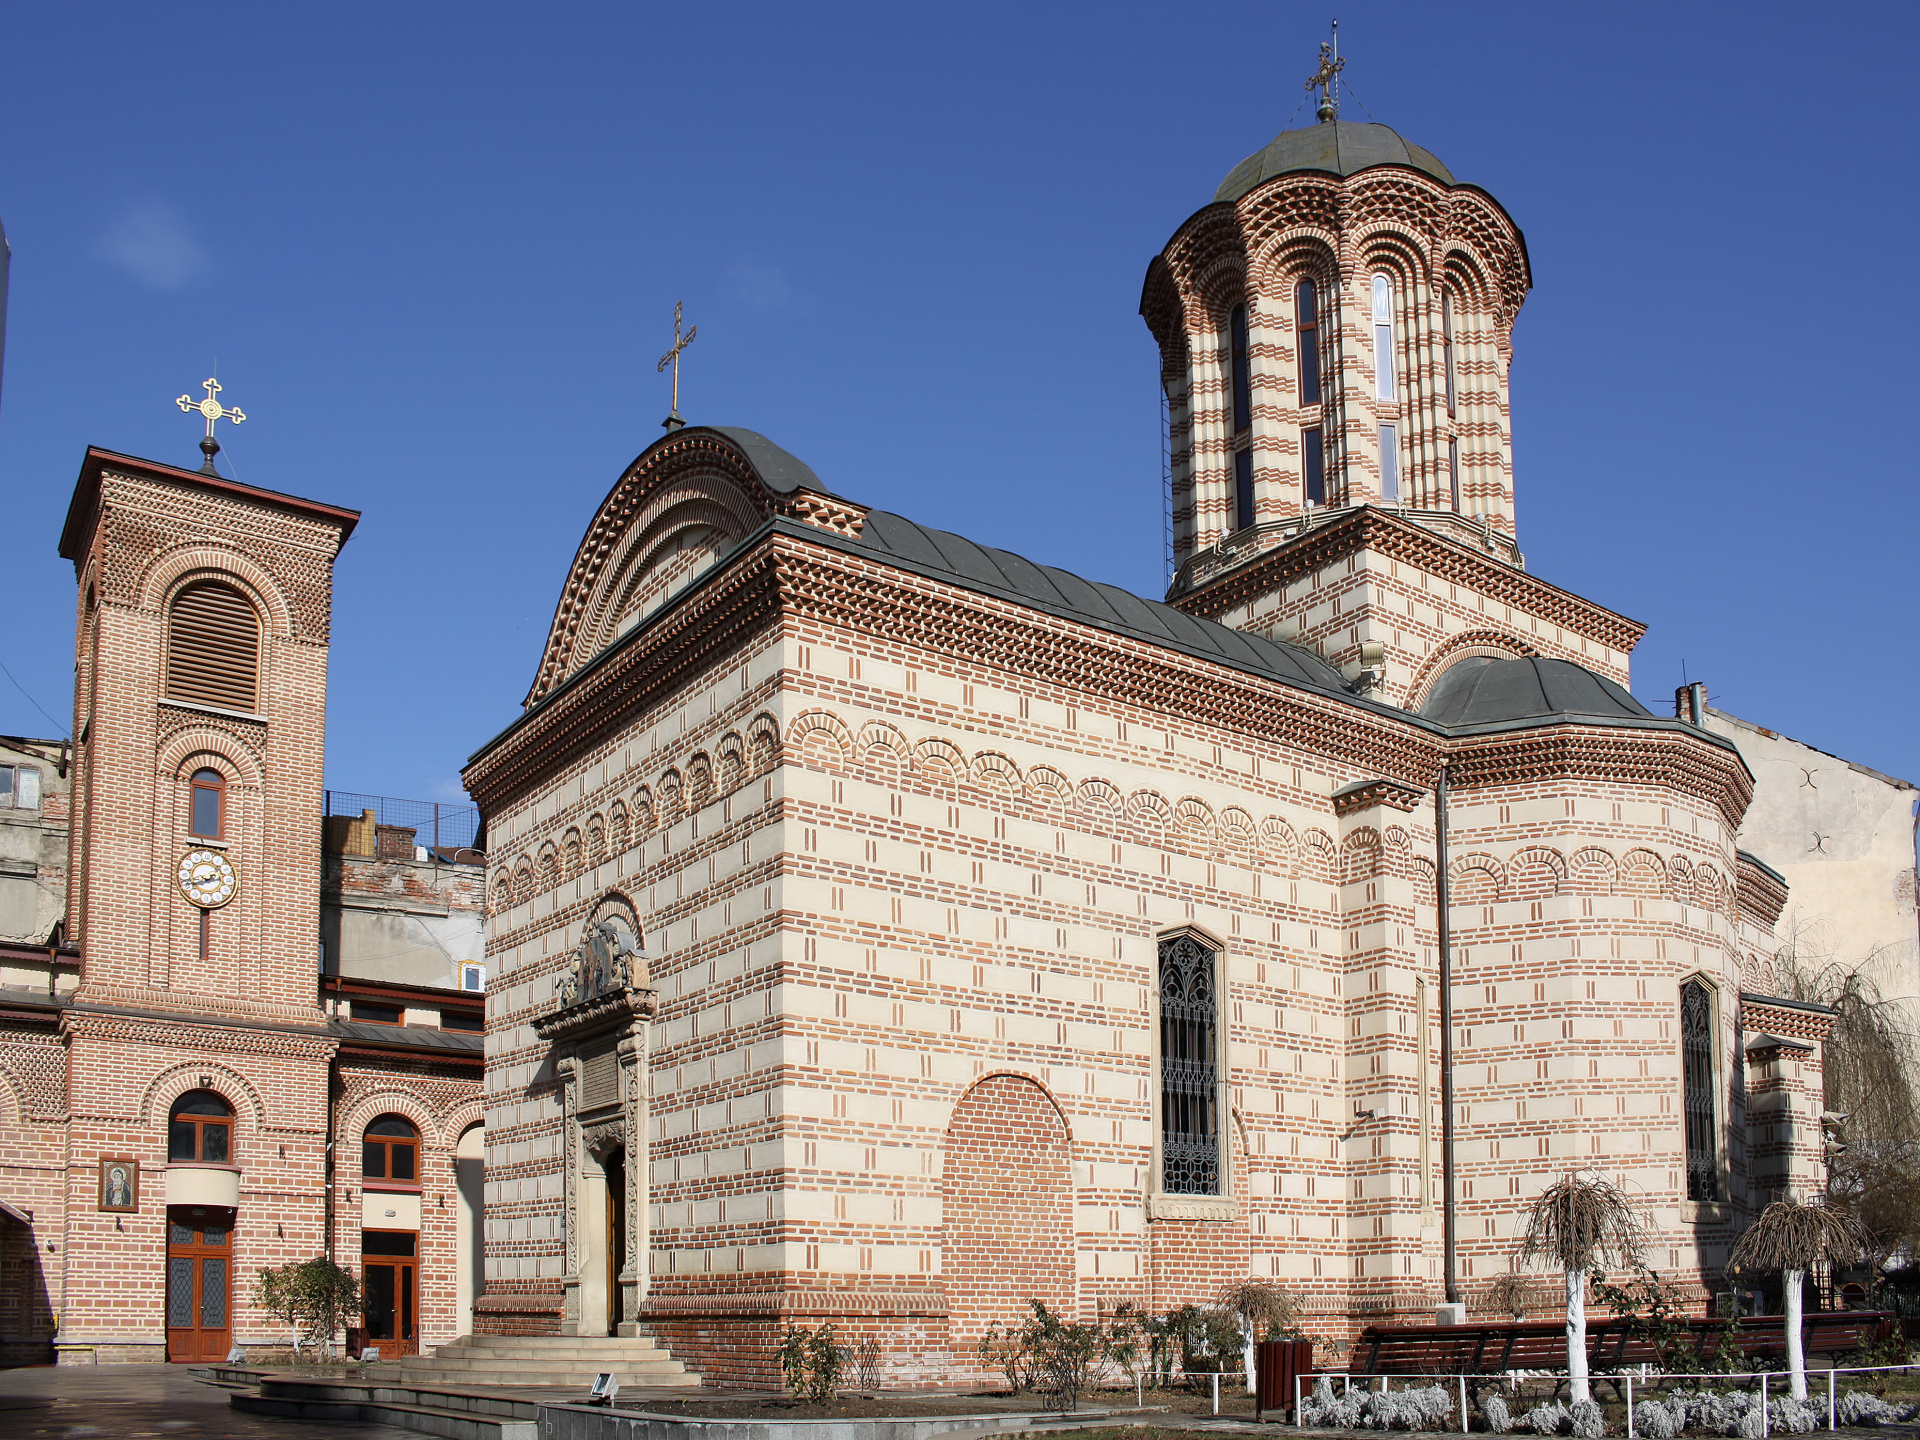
column 1483, row 691
column 1338, row 147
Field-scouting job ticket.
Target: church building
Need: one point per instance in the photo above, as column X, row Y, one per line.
column 887, row 930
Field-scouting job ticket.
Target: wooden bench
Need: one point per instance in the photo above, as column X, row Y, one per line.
column 1497, row 1347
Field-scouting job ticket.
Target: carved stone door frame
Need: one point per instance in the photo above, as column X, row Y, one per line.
column 602, row 1021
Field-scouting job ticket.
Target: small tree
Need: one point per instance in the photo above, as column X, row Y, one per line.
column 1262, row 1307
column 1580, row 1223
column 1790, row 1237
column 316, row 1293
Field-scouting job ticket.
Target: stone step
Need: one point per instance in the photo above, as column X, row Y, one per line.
column 527, row 1372
column 557, row 1345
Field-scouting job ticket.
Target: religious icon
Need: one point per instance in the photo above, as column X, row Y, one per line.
column 119, row 1184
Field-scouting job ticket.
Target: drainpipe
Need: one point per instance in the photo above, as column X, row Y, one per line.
column 1449, row 1225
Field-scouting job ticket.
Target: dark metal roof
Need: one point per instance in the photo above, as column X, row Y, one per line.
column 1483, row 691
column 900, row 541
column 1340, row 147
column 779, row 470
column 407, row 1037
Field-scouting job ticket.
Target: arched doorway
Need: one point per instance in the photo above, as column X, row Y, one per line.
column 470, row 1263
column 390, row 1235
column 199, row 1237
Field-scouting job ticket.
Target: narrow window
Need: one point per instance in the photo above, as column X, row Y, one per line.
column 1453, row 472
column 200, row 1129
column 1446, row 347
column 1696, row 1056
column 213, row 647
column 389, row 1149
column 473, row 977
column 26, row 787
column 6, row 784
column 1189, row 1099
column 1382, row 338
column 1242, row 489
column 1307, row 328
column 1389, row 463
column 1315, row 458
column 1242, row 372
column 209, row 804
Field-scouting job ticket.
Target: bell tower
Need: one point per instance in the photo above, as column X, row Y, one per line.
column 1335, row 333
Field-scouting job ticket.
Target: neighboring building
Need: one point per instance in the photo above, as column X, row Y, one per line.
column 230, row 1036
column 1843, row 839
column 888, row 930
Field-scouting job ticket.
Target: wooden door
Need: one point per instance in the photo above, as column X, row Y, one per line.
column 199, row 1284
column 390, row 1276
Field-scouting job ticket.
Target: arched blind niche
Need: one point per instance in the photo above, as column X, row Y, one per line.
column 213, row 647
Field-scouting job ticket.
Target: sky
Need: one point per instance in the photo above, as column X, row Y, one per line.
column 433, row 252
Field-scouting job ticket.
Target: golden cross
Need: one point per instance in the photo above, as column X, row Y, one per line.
column 212, row 409
column 672, row 357
column 1326, row 78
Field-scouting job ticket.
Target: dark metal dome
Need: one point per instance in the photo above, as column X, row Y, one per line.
column 1339, row 147
column 1482, row 690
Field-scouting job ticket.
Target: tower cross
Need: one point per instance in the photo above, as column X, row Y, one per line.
column 1326, row 79
column 672, row 357
column 212, row 409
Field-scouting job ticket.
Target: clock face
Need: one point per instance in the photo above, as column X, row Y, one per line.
column 207, row 878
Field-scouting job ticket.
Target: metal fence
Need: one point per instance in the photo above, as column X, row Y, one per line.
column 432, row 823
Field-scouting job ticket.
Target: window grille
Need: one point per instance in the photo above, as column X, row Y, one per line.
column 1189, row 1073
column 1696, row 1053
column 213, row 647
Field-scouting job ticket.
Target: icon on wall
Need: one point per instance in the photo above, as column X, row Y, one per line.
column 119, row 1184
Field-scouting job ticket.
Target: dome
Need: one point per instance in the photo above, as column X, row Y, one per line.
column 1483, row 691
column 1339, row 147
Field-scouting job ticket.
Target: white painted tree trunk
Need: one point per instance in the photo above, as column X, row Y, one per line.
column 1577, row 1336
column 1796, row 1350
column 1246, row 1325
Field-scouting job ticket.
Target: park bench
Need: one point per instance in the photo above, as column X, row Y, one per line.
column 1496, row 1347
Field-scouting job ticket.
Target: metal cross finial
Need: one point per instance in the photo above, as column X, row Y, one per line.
column 1326, row 79
column 672, row 357
column 212, row 409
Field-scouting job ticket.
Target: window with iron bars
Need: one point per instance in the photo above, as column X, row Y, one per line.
column 1189, row 1068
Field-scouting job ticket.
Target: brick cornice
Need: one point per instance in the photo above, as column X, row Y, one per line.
column 1660, row 757
column 174, row 1034
column 1776, row 1015
column 1371, row 528
column 1762, row 891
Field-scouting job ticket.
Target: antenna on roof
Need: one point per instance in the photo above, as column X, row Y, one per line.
column 1326, row 78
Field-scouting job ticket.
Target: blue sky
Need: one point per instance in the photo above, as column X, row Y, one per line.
column 435, row 252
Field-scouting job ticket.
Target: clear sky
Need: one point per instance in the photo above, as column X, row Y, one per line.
column 434, row 251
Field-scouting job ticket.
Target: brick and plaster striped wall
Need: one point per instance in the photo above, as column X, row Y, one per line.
column 918, row 917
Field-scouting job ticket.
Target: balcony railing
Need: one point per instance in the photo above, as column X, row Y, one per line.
column 432, row 822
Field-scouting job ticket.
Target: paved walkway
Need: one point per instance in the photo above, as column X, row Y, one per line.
column 143, row 1402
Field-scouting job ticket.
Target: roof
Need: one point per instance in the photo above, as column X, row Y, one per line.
column 86, row 496
column 1482, row 692
column 901, row 542
column 407, row 1037
column 781, row 471
column 1337, row 147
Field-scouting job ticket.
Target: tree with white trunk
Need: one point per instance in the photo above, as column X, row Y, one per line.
column 1792, row 1238
column 1578, row 1224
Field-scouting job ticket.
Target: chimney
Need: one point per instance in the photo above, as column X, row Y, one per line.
column 1690, row 704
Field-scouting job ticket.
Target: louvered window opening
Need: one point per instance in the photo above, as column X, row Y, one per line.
column 213, row 648
column 1696, row 1054
column 1189, row 1074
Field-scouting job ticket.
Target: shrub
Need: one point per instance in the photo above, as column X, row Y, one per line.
column 812, row 1363
column 316, row 1294
column 1494, row 1409
column 1655, row 1421
column 1547, row 1419
column 1586, row 1420
column 1862, row 1407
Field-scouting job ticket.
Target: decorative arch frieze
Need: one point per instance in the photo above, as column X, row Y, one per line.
column 1534, row 873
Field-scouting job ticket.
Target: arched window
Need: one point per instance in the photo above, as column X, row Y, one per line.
column 213, row 647
column 1383, row 386
column 1446, row 344
column 200, row 1129
column 1242, row 372
column 390, row 1150
column 1306, row 324
column 1696, row 1062
column 1189, row 1069
column 208, row 812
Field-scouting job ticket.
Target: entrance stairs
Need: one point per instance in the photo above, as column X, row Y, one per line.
column 638, row 1362
column 451, row 1414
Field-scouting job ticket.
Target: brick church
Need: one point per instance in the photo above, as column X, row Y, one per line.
column 887, row 930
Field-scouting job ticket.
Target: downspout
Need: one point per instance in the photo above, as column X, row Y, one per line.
column 1449, row 1226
